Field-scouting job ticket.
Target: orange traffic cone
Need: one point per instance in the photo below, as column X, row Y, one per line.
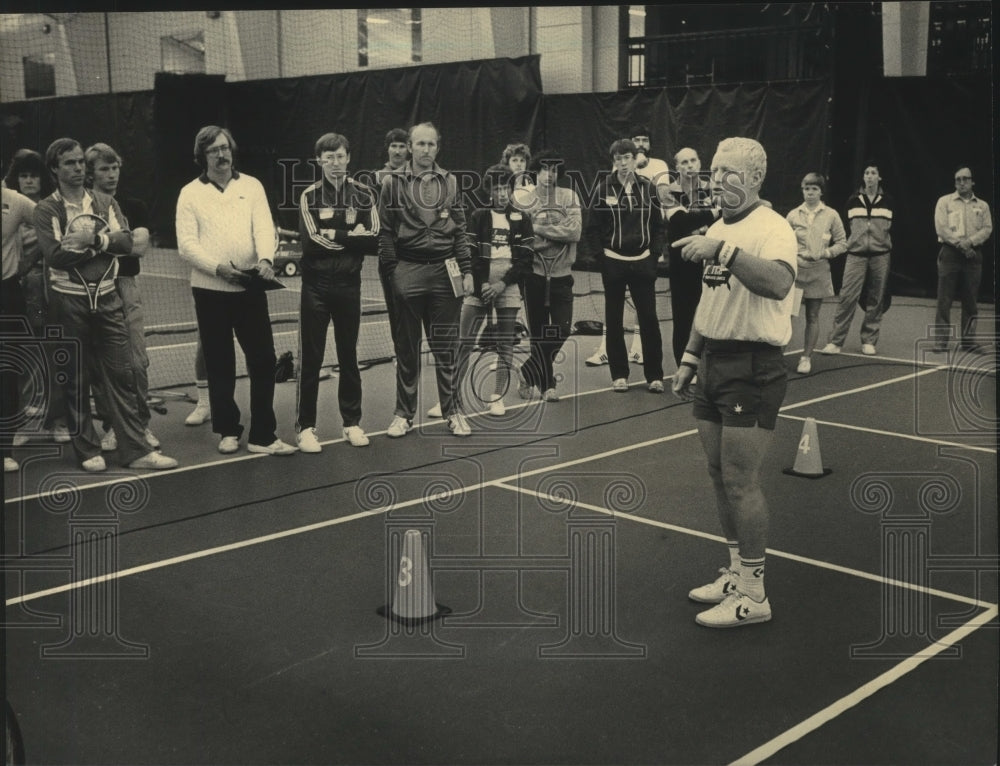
column 808, row 459
column 413, row 599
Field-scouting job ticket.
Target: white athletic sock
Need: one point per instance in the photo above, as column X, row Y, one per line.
column 734, row 555
column 202, row 386
column 751, row 582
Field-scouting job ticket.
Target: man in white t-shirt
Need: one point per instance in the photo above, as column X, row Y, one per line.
column 740, row 328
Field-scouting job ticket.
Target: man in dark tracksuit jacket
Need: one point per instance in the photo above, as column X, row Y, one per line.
column 423, row 226
column 626, row 227
column 339, row 226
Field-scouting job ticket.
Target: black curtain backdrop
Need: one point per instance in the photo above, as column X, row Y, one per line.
column 918, row 129
column 790, row 120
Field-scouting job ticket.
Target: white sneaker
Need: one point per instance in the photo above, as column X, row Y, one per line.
column 635, row 357
column 497, row 407
column 869, row 349
column 356, row 436
column 308, row 442
column 94, row 464
column 550, row 395
column 201, row 412
column 620, row 385
column 830, row 348
column 399, row 426
column 20, row 439
column 716, row 591
column 60, row 435
column 151, row 440
column 154, row 461
column 599, row 358
column 10, row 465
column 655, row 386
column 805, row 366
column 277, row 447
column 109, row 442
column 435, row 411
column 735, row 610
column 459, row 425
column 229, row 444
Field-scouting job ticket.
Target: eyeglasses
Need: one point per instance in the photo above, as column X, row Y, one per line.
column 217, row 150
column 963, row 178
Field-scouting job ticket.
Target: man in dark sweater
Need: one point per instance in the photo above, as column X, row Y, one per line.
column 424, row 251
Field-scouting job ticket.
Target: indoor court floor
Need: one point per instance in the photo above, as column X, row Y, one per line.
column 228, row 612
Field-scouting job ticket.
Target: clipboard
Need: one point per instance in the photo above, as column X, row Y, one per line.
column 252, row 280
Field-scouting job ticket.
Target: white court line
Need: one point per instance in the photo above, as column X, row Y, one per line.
column 827, row 714
column 880, row 432
column 200, row 466
column 318, row 525
column 861, row 574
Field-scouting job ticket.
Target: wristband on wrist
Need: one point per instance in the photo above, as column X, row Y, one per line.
column 727, row 254
column 690, row 360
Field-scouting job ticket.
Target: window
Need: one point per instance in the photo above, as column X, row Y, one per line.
column 389, row 37
column 183, row 53
column 39, row 75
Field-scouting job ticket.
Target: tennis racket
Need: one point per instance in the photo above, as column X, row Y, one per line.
column 94, row 272
column 547, row 250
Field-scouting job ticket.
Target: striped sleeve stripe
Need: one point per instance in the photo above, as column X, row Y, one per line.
column 310, row 222
column 877, row 212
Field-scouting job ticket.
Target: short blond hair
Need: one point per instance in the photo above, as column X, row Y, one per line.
column 753, row 154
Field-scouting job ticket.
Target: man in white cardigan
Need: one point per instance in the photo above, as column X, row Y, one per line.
column 224, row 228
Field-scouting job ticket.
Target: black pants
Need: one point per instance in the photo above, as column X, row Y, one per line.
column 245, row 314
column 639, row 278
column 321, row 304
column 549, row 326
column 685, row 292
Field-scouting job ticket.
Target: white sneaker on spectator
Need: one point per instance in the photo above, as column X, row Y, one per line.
column 20, row 439
column 356, row 436
column 830, row 348
column 201, row 412
column 655, row 386
column 94, row 464
column 109, row 442
column 277, row 447
column 868, row 349
column 497, row 407
column 154, row 461
column 550, row 395
column 619, row 385
column 60, row 434
column 10, row 465
column 399, row 426
column 308, row 442
column 599, row 358
column 435, row 411
column 229, row 444
column 151, row 439
column 459, row 425
column 805, row 366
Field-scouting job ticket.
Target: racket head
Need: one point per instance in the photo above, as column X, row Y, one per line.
column 88, row 223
